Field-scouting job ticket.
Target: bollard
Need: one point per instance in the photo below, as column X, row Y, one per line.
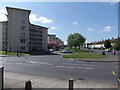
column 28, row 85
column 70, row 84
column 2, row 78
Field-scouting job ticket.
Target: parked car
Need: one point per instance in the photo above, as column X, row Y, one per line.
column 108, row 50
column 47, row 51
column 67, row 51
column 51, row 50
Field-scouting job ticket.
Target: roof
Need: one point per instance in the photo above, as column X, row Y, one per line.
column 38, row 26
column 51, row 35
column 18, row 9
column 113, row 40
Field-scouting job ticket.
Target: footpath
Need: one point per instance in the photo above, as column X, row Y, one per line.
column 17, row 80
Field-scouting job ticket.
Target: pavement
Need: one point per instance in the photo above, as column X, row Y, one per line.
column 18, row 81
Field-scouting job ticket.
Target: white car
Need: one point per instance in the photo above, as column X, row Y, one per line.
column 51, row 50
column 108, row 50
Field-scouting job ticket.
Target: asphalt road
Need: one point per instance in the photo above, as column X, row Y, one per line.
column 55, row 65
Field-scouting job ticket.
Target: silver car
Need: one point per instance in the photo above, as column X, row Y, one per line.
column 67, row 51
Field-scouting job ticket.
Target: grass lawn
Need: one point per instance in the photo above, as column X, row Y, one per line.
column 85, row 55
column 11, row 53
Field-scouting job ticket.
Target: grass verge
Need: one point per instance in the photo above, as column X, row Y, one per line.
column 85, row 55
column 11, row 53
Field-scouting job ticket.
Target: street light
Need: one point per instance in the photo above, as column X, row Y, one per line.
column 6, row 47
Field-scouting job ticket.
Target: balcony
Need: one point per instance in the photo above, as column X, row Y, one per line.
column 23, row 38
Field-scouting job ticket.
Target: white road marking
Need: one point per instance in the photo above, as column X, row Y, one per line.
column 79, row 61
column 116, row 66
column 3, row 60
column 45, row 63
column 42, row 63
column 64, row 67
column 88, row 65
column 71, row 59
column 24, row 63
column 84, row 68
column 31, row 62
column 70, row 64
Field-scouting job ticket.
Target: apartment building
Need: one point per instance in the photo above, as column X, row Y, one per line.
column 38, row 38
column 3, row 35
column 55, row 39
column 20, row 34
column 51, row 37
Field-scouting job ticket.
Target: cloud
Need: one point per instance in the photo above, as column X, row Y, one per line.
column 53, row 28
column 3, row 11
column 75, row 23
column 106, row 29
column 34, row 18
column 115, row 2
column 90, row 29
column 2, row 15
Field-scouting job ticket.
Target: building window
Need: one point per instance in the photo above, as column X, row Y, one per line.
column 22, row 34
column 23, row 14
column 23, row 27
column 22, row 41
column 23, row 21
column 23, row 48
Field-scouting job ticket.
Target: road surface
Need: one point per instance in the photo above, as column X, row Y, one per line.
column 57, row 66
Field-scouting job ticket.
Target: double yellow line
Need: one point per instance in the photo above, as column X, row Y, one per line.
column 118, row 80
column 115, row 74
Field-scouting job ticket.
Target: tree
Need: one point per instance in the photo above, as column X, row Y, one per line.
column 52, row 44
column 117, row 45
column 75, row 40
column 107, row 44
